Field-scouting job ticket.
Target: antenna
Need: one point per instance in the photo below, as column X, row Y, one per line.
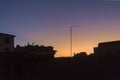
column 33, row 43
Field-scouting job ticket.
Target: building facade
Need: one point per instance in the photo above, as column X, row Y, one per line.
column 108, row 49
column 6, row 42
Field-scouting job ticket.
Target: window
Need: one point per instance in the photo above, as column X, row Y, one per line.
column 7, row 40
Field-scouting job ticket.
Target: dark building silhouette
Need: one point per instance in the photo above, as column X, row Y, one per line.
column 108, row 49
column 37, row 50
column 81, row 54
column 6, row 42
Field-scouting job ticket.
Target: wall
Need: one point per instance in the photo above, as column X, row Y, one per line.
column 4, row 45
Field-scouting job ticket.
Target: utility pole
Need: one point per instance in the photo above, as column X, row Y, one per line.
column 71, row 39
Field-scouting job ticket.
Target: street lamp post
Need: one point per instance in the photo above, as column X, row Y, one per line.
column 71, row 40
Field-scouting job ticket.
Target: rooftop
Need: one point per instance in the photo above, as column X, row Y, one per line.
column 4, row 34
column 110, row 43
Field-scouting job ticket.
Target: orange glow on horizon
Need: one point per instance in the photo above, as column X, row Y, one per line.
column 84, row 39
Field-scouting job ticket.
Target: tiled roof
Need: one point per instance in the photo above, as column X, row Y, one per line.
column 3, row 34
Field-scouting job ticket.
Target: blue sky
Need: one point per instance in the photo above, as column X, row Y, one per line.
column 49, row 21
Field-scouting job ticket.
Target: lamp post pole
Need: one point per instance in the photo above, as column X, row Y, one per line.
column 71, row 41
column 71, row 38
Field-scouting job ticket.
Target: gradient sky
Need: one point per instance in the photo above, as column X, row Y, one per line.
column 49, row 21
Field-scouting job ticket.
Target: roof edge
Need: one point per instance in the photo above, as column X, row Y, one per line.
column 4, row 34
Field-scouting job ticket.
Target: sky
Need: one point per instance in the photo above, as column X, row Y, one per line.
column 48, row 22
